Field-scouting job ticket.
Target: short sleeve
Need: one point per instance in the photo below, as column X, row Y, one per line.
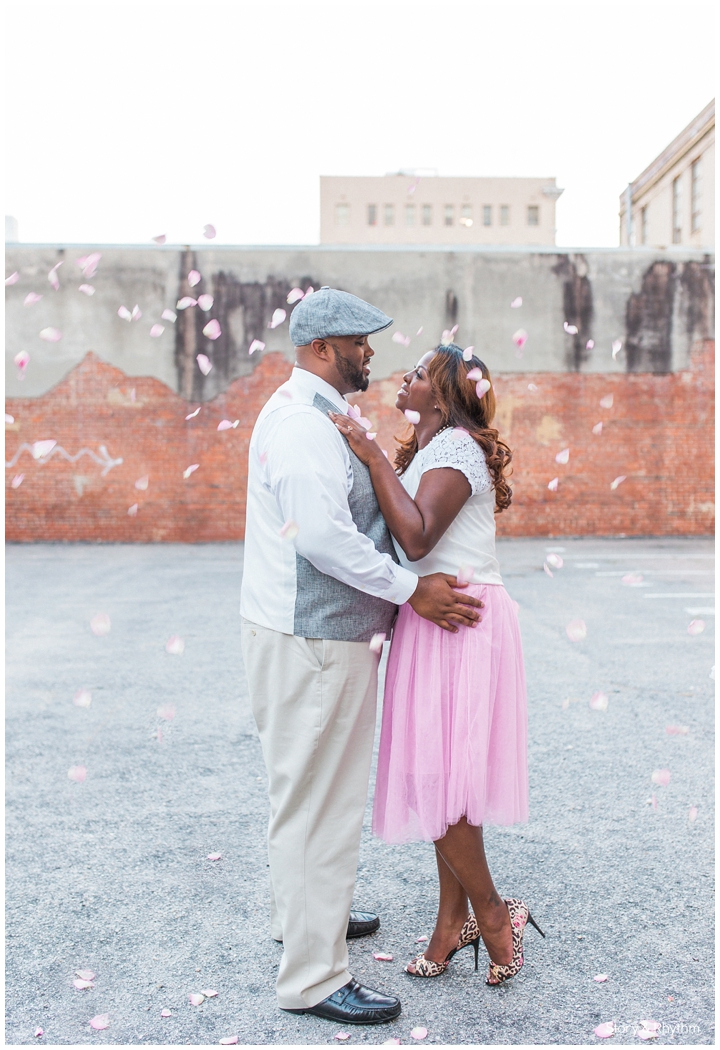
column 455, row 448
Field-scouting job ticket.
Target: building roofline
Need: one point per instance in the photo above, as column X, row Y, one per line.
column 688, row 137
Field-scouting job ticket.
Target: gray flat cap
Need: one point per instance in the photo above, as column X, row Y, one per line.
column 330, row 312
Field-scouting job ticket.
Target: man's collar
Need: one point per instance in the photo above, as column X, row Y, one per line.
column 309, row 384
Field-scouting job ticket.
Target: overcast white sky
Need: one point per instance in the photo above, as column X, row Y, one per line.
column 125, row 121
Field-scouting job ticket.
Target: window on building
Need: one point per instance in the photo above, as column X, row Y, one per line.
column 504, row 214
column 389, row 214
column 372, row 215
column 643, row 225
column 487, row 214
column 533, row 215
column 342, row 214
column 449, row 214
column 677, row 211
column 427, row 214
column 466, row 215
column 696, row 183
column 409, row 214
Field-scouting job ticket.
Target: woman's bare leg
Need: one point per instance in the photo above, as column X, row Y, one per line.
column 463, row 853
column 452, row 914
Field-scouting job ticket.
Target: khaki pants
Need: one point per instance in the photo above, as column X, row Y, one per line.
column 314, row 704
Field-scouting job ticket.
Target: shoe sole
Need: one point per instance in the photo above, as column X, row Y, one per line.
column 345, row 1020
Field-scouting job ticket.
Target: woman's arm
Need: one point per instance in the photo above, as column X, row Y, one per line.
column 416, row 524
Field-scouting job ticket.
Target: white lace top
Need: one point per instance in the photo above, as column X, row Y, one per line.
column 470, row 539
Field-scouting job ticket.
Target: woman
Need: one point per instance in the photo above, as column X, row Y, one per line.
column 453, row 748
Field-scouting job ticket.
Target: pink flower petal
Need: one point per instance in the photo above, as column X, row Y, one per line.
column 51, row 335
column 618, row 481
column 278, row 317
column 419, row 331
column 124, row 313
column 196, row 999
column 597, row 429
column 468, row 353
column 190, row 470
column 563, row 457
column 692, row 814
column 289, row 530
column 653, row 803
column 77, row 773
column 371, row 435
column 136, row 313
column 632, row 579
column 520, row 338
column 555, row 560
column 86, row 975
column 398, row 337
column 17, row 481
column 590, row 344
column 354, row 412
column 604, row 1031
column 209, row 231
column 165, row 1013
column 576, row 630
column 482, row 387
column 661, row 777
column 212, row 329
column 607, row 401
column 205, row 301
column 532, row 387
column 193, row 414
column 132, row 511
column 392, row 1042
column 475, row 375
column 342, row 1035
column 643, row 1033
column 411, row 416
column 175, row 645
column 229, row 1040
column 571, row 329
column 40, row 1032
column 30, row 298
column 204, row 363
column 553, row 485
column 160, row 239
column 616, row 347
column 83, row 698
column 696, row 627
column 210, row 993
column 257, row 344
column 598, row 702
column 169, row 315
column 382, row 956
column 418, row 1033
column 12, row 279
column 185, row 302
column 516, row 303
column 100, row 1022
column 364, row 422
column 546, row 569
column 166, row 712
column 41, row 449
column 308, row 291
column 142, row 483
column 600, row 978
column 213, row 856
column 376, row 642
column 86, row 289
column 83, row 986
column 676, row 730
column 100, row 624
column 53, row 277
column 194, row 278
column 421, row 938
column 224, row 424
column 465, row 573
column 157, row 330
column 294, row 295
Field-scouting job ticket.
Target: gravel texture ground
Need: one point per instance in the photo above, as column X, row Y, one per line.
column 112, row 874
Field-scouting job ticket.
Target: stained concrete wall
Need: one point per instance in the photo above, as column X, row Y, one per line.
column 657, row 303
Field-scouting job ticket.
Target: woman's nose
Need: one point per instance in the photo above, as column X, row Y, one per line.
column 407, row 377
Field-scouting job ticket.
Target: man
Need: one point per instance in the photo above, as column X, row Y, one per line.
column 320, row 580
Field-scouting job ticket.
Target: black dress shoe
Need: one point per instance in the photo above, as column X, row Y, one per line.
column 360, row 924
column 355, row 1004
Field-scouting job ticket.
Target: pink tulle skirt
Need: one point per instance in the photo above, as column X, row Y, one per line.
column 454, row 725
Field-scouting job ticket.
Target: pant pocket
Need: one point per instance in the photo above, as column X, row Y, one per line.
column 316, row 649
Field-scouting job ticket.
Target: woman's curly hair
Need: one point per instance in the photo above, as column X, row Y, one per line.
column 461, row 407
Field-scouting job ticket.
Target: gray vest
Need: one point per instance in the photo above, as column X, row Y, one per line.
column 327, row 608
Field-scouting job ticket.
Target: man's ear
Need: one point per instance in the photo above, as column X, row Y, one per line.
column 320, row 349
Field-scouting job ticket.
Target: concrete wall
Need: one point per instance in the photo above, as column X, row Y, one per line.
column 658, row 304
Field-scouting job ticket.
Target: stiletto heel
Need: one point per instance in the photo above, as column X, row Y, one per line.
column 519, row 917
column 470, row 934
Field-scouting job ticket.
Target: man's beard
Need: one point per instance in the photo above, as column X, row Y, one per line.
column 353, row 376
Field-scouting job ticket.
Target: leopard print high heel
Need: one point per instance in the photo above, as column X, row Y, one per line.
column 519, row 917
column 470, row 934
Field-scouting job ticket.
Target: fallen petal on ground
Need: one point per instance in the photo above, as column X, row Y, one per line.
column 632, row 579
column 175, row 645
column 598, row 702
column 166, row 712
column 696, row 627
column 100, row 1022
column 576, row 630
column 83, row 698
column 165, row 1013
column 82, row 985
column 661, row 777
column 382, row 956
column 77, row 773
column 210, row 993
column 85, row 975
column 600, row 978
column 692, row 814
column 100, row 624
column 229, row 1040
column 212, row 856
column 604, row 1031
column 418, row 1033
column 196, row 999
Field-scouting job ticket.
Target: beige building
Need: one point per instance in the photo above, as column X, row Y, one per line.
column 673, row 201
column 419, row 208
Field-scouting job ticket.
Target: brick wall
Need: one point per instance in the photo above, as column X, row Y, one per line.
column 659, row 433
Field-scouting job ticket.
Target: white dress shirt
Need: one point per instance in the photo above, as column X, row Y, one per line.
column 300, row 471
